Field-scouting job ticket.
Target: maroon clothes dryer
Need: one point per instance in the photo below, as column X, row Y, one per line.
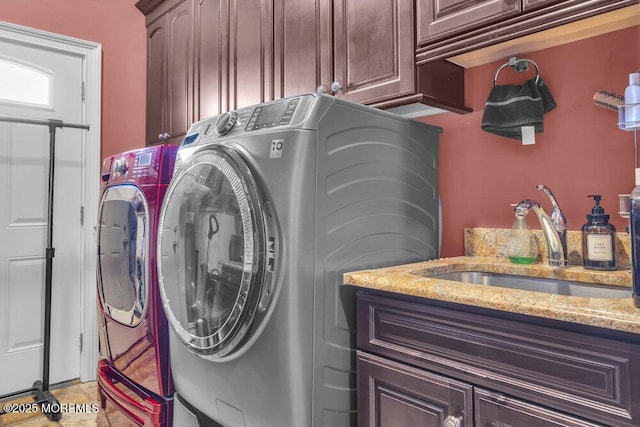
column 134, row 375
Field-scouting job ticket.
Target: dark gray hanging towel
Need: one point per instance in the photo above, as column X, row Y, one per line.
column 548, row 103
column 511, row 107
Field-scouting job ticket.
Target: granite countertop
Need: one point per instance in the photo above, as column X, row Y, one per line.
column 415, row 280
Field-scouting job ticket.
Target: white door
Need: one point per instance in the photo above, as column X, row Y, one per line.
column 41, row 84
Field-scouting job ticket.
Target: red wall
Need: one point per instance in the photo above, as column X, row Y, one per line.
column 581, row 151
column 120, row 28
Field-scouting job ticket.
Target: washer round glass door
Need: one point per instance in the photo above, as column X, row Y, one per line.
column 122, row 253
column 211, row 262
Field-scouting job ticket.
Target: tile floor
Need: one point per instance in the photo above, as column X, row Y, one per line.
column 82, row 395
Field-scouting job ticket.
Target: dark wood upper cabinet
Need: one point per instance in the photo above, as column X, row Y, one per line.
column 211, row 60
column 373, row 50
column 297, row 49
column 241, row 53
column 170, row 73
column 365, row 48
column 367, row 55
column 250, row 53
column 180, row 70
column 156, row 81
column 205, row 57
column 446, row 28
column 234, row 55
column 253, row 52
column 438, row 18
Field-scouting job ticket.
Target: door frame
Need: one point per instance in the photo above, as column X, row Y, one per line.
column 91, row 54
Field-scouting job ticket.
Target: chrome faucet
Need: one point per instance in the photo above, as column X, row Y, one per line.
column 554, row 226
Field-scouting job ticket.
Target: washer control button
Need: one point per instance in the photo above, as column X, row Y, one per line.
column 226, row 122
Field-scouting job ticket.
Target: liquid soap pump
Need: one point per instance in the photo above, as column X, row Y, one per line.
column 598, row 239
column 521, row 245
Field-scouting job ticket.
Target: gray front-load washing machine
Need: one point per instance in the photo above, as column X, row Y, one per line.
column 268, row 206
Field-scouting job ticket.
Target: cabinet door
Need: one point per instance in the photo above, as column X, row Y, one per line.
column 439, row 18
column 179, row 102
column 250, row 53
column 373, row 49
column 170, row 75
column 156, row 80
column 394, row 394
column 212, row 57
column 494, row 409
column 297, row 47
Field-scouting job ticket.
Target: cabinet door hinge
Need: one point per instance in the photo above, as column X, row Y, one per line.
column 81, row 215
column 81, row 341
column 83, row 92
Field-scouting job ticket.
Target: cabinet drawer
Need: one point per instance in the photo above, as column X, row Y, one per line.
column 494, row 409
column 393, row 394
column 567, row 371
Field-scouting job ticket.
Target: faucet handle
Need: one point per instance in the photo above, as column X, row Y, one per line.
column 549, row 194
column 557, row 217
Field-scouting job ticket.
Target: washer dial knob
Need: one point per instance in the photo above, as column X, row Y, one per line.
column 226, row 122
column 120, row 166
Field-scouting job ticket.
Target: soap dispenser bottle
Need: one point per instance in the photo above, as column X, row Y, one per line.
column 598, row 239
column 521, row 247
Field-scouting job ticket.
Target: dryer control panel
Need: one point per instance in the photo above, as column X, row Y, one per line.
column 140, row 166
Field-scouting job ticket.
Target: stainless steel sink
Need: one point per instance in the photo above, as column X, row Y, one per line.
column 552, row 286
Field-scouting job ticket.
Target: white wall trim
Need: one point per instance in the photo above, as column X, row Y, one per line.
column 91, row 53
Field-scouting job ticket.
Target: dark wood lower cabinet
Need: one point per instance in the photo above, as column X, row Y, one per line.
column 497, row 410
column 394, row 394
column 424, row 363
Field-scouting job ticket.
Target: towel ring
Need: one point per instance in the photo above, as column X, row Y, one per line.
column 519, row 65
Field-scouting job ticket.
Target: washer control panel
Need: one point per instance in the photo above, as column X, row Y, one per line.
column 271, row 115
column 286, row 112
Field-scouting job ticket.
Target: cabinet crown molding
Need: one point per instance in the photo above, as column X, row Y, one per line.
column 146, row 6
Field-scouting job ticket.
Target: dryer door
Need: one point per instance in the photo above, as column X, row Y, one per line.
column 122, row 253
column 211, row 246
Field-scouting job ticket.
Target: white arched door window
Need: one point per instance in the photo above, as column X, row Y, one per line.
column 26, row 84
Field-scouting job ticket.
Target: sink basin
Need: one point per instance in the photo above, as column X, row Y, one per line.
column 552, row 286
